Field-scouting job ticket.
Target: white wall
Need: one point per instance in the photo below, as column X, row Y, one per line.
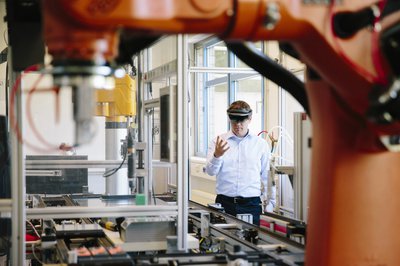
column 56, row 131
column 43, row 111
column 202, row 185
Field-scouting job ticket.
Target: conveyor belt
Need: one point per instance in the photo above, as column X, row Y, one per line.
column 272, row 245
column 234, row 239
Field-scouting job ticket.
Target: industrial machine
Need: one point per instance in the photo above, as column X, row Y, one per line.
column 215, row 238
column 118, row 105
column 351, row 93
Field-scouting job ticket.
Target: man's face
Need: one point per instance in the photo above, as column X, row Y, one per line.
column 240, row 125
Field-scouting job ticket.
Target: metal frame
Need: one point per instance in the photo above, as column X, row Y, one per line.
column 298, row 177
column 19, row 213
column 233, row 74
column 183, row 144
column 17, row 179
column 301, row 180
column 223, row 70
column 182, row 169
column 170, row 90
column 5, row 205
column 268, row 242
column 114, row 211
column 76, row 164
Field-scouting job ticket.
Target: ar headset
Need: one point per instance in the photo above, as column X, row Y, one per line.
column 239, row 115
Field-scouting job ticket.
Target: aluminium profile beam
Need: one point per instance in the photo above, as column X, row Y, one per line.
column 101, row 211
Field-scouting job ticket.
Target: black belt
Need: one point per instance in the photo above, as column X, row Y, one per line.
column 238, row 200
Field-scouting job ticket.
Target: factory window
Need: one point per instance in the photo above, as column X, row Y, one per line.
column 219, row 79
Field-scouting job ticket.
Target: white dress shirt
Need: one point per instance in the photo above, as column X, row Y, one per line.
column 242, row 168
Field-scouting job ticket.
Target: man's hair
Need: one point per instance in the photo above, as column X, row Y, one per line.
column 239, row 108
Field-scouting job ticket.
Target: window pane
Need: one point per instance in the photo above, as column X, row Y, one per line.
column 217, row 55
column 218, row 103
column 200, row 115
column 199, row 56
column 250, row 91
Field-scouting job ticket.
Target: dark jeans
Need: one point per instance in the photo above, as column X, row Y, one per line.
column 240, row 205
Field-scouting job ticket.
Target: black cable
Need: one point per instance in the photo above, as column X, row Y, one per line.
column 131, row 161
column 3, row 55
column 131, row 43
column 154, row 196
column 270, row 70
column 391, row 7
column 113, row 171
column 347, row 24
column 7, row 92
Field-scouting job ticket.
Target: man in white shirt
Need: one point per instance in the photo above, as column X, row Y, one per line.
column 240, row 160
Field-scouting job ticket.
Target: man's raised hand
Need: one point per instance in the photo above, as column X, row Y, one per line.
column 221, row 146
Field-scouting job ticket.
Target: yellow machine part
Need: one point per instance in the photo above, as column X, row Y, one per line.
column 119, row 102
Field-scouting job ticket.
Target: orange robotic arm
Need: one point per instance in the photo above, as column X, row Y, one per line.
column 354, row 177
column 87, row 29
column 86, row 32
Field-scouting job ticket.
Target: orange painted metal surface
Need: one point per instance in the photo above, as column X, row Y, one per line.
column 68, row 40
column 354, row 202
column 354, row 199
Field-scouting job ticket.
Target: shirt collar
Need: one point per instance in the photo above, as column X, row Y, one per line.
column 232, row 135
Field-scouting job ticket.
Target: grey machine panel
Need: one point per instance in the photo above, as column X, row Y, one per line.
column 69, row 181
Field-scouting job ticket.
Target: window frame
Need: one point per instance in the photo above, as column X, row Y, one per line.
column 231, row 79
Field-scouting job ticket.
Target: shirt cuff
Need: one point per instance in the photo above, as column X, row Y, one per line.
column 215, row 160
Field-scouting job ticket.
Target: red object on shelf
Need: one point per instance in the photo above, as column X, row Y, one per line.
column 29, row 237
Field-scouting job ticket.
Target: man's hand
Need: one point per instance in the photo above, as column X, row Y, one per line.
column 268, row 202
column 220, row 147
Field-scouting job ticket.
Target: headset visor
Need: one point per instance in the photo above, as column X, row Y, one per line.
column 239, row 115
column 238, row 119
